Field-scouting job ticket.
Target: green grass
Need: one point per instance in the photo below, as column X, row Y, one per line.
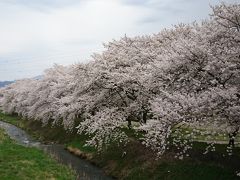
column 203, row 135
column 12, row 119
column 18, row 162
column 45, row 133
column 140, row 163
column 183, row 170
column 80, row 144
column 135, row 161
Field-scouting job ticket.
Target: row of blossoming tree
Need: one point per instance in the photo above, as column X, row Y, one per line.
column 187, row 75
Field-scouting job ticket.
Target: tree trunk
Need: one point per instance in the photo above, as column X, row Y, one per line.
column 232, row 137
column 144, row 117
column 231, row 140
column 129, row 124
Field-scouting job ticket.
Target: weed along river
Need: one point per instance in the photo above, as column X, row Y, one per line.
column 84, row 169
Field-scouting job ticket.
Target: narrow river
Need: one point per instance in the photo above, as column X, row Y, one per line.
column 84, row 169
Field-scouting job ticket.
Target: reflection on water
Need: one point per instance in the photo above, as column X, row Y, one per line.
column 84, row 169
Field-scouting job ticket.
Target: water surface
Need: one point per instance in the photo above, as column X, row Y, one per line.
column 84, row 169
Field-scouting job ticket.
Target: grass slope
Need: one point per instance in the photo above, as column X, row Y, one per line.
column 135, row 161
column 18, row 162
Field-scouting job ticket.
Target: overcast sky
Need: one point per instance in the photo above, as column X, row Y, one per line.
column 35, row 34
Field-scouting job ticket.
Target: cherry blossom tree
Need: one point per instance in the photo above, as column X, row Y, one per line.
column 201, row 75
column 188, row 74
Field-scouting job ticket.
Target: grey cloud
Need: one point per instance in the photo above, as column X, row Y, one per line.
column 135, row 2
column 43, row 4
column 34, row 41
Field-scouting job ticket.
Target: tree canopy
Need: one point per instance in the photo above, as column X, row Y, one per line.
column 189, row 74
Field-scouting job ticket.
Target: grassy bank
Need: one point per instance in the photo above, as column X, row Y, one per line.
column 204, row 135
column 18, row 162
column 135, row 161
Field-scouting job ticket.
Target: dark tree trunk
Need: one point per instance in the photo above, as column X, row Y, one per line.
column 144, row 116
column 232, row 138
column 231, row 141
column 129, row 124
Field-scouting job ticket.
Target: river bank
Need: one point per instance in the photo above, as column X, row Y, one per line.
column 83, row 169
column 134, row 161
column 27, row 163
